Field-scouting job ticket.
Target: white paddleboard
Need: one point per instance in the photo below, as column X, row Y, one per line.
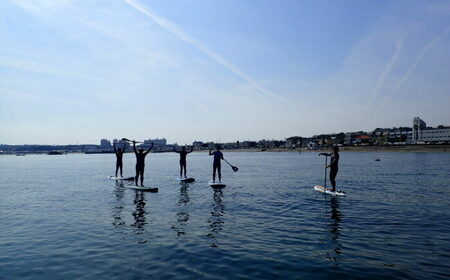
column 217, row 184
column 186, row 180
column 121, row 178
column 144, row 189
column 328, row 191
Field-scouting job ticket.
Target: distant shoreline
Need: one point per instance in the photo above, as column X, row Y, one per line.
column 362, row 149
column 375, row 149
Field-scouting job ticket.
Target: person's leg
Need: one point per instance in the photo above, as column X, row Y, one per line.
column 219, row 170
column 121, row 168
column 117, row 167
column 214, row 172
column 333, row 173
column 184, row 166
column 181, row 169
column 137, row 176
column 142, row 177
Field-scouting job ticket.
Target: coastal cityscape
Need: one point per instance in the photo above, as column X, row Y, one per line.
column 416, row 134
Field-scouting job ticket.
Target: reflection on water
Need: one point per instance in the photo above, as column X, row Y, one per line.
column 334, row 227
column 182, row 214
column 139, row 213
column 119, row 191
column 216, row 220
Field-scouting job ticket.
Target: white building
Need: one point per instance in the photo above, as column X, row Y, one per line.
column 422, row 133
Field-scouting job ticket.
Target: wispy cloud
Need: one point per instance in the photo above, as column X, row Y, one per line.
column 387, row 70
column 25, row 97
column 185, row 37
column 424, row 51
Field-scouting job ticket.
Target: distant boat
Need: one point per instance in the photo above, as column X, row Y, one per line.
column 55, row 153
column 21, row 154
column 377, row 159
column 99, row 152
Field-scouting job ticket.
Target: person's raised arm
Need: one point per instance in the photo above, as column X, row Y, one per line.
column 124, row 147
column 114, row 146
column 192, row 148
column 151, row 147
column 175, row 150
column 134, row 147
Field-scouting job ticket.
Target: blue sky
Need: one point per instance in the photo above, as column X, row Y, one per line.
column 78, row 71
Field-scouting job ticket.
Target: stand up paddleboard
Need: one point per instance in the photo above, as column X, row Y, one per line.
column 216, row 185
column 144, row 189
column 329, row 191
column 186, row 180
column 121, row 178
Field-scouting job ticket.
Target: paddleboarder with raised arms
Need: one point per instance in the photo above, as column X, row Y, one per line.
column 183, row 153
column 119, row 155
column 140, row 162
column 334, row 166
column 218, row 156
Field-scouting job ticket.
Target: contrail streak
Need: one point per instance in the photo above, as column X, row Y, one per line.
column 419, row 58
column 173, row 28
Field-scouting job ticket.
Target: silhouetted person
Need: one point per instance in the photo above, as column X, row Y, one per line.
column 334, row 166
column 218, row 156
column 140, row 162
column 119, row 155
column 183, row 155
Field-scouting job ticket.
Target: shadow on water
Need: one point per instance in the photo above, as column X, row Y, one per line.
column 139, row 215
column 334, row 228
column 119, row 192
column 216, row 221
column 182, row 214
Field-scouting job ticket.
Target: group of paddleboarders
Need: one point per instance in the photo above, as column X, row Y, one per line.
column 140, row 161
column 217, row 155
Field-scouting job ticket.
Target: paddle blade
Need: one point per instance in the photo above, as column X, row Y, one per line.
column 125, row 139
column 235, row 169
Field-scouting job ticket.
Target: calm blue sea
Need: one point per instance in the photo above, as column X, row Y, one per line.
column 62, row 218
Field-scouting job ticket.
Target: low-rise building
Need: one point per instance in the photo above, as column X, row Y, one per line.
column 423, row 134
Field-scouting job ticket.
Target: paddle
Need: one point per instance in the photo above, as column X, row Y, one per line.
column 326, row 163
column 235, row 169
column 128, row 140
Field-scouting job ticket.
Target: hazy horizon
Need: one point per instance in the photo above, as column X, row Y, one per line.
column 79, row 71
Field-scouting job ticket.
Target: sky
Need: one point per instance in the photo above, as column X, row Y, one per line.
column 77, row 71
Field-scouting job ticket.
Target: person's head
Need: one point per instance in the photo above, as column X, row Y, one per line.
column 140, row 150
column 218, row 147
column 183, row 148
column 335, row 149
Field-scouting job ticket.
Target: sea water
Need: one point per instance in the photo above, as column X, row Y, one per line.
column 62, row 218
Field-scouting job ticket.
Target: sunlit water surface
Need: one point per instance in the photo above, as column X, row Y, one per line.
column 62, row 218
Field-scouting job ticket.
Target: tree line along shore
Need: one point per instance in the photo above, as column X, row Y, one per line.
column 392, row 148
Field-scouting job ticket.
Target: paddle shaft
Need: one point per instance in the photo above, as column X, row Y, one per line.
column 228, row 162
column 325, row 182
column 235, row 169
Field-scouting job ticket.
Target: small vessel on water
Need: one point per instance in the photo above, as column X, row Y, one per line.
column 55, row 153
column 21, row 154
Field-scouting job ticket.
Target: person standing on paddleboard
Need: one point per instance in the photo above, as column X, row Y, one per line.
column 183, row 155
column 140, row 162
column 334, row 166
column 218, row 156
column 119, row 155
